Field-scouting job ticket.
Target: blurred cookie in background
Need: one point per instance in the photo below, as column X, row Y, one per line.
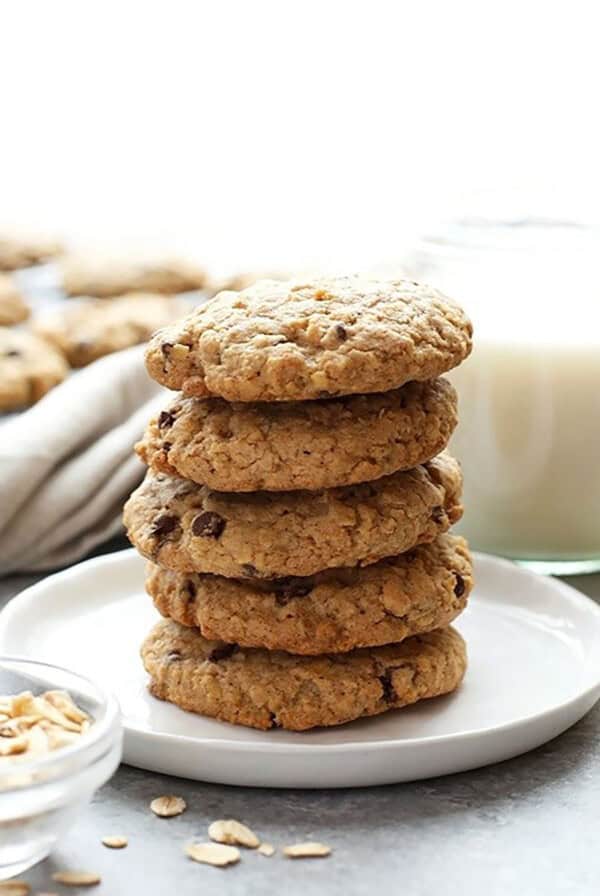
column 29, row 367
column 106, row 277
column 23, row 252
column 92, row 328
column 13, row 308
column 240, row 280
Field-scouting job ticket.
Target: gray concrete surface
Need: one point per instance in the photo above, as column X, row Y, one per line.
column 528, row 826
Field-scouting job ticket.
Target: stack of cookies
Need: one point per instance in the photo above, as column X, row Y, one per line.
column 298, row 500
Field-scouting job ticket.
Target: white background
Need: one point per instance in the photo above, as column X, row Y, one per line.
column 267, row 133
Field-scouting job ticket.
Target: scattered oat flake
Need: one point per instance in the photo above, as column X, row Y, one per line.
column 168, row 806
column 76, row 878
column 233, row 832
column 115, row 842
column 213, row 853
column 306, row 850
column 14, row 888
column 266, row 849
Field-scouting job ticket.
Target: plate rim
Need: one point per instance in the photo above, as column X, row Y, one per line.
column 15, row 605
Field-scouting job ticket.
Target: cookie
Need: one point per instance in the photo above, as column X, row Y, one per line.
column 240, row 280
column 29, row 368
column 271, row 689
column 293, row 341
column 331, row 612
column 13, row 308
column 92, row 328
column 190, row 528
column 17, row 252
column 279, row 446
column 106, row 277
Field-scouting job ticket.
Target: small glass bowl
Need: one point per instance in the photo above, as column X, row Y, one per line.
column 41, row 798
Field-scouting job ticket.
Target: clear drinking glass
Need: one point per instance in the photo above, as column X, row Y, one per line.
column 529, row 431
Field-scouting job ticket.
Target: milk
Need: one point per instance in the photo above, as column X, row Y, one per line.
column 529, row 399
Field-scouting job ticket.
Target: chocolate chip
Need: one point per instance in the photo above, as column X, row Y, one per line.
column 289, row 587
column 164, row 525
column 167, row 446
column 389, row 694
column 165, row 418
column 166, row 347
column 438, row 514
column 273, row 720
column 174, row 656
column 341, row 332
column 459, row 588
column 12, row 353
column 249, row 570
column 208, row 524
column 190, row 588
column 222, row 652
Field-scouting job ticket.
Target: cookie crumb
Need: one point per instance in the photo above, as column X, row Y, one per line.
column 309, row 850
column 213, row 854
column 233, row 832
column 76, row 878
column 266, row 849
column 115, row 842
column 168, row 806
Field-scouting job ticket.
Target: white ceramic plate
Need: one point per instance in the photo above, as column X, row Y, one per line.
column 534, row 646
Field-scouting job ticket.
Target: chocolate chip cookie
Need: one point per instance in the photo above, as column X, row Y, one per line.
column 271, row 689
column 104, row 277
column 29, row 368
column 315, row 339
column 92, row 328
column 277, row 446
column 331, row 612
column 13, row 307
column 22, row 252
column 241, row 280
column 190, row 528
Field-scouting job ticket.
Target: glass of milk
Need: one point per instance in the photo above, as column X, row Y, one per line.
column 529, row 431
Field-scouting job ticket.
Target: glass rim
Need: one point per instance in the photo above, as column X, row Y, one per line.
column 455, row 237
column 103, row 729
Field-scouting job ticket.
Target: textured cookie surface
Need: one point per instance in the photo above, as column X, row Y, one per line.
column 276, row 446
column 330, row 612
column 29, row 368
column 270, row 689
column 17, row 252
column 91, row 328
column 189, row 528
column 13, row 308
column 106, row 277
column 294, row 341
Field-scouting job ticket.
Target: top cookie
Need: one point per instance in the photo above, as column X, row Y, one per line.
column 17, row 252
column 106, row 277
column 13, row 308
column 296, row 341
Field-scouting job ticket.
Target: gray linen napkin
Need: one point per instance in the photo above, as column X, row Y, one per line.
column 67, row 464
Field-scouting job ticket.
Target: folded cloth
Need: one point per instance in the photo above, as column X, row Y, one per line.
column 67, row 464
